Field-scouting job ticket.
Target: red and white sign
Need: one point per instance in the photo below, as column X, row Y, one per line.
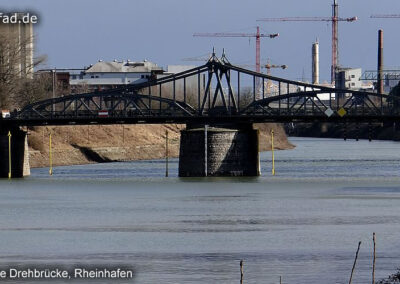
column 5, row 113
column 103, row 113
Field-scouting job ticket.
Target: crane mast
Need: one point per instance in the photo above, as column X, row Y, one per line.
column 256, row 35
column 258, row 43
column 335, row 31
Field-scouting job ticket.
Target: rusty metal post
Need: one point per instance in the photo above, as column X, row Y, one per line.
column 241, row 272
column 373, row 264
column 355, row 262
column 369, row 132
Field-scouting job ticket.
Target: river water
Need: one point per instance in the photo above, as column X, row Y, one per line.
column 303, row 224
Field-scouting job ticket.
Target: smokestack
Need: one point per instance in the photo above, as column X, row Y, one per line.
column 315, row 63
column 335, row 41
column 380, row 63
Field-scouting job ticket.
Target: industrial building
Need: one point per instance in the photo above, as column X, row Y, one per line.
column 107, row 75
column 348, row 78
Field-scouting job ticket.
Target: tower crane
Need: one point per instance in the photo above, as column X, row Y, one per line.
column 204, row 57
column 257, row 35
column 270, row 66
column 387, row 16
column 334, row 19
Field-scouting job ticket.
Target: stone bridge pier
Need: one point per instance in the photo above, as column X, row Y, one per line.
column 219, row 150
column 19, row 153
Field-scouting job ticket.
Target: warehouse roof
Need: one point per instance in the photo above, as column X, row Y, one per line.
column 123, row 67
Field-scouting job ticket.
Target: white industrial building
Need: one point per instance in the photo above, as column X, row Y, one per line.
column 348, row 78
column 106, row 75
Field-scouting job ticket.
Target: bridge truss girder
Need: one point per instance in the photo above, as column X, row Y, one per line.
column 214, row 92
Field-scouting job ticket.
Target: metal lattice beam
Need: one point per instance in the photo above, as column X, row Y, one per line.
column 206, row 94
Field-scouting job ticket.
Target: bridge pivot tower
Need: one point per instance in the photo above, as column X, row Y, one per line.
column 257, row 36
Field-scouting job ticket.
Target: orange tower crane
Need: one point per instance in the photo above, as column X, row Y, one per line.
column 334, row 19
column 257, row 35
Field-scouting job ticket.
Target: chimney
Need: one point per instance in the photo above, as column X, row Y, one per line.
column 380, row 63
column 315, row 63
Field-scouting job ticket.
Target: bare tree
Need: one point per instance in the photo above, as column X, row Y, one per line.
column 246, row 97
column 15, row 70
column 81, row 89
column 31, row 90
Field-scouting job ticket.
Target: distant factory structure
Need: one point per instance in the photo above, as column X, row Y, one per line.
column 348, row 78
column 315, row 63
column 345, row 78
column 106, row 75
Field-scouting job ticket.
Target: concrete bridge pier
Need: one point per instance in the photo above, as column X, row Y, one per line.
column 219, row 150
column 19, row 153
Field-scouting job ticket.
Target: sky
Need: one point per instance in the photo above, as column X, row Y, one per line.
column 77, row 33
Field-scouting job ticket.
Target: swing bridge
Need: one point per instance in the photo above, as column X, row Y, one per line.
column 216, row 92
column 218, row 102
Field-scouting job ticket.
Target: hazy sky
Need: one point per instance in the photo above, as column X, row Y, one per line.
column 76, row 33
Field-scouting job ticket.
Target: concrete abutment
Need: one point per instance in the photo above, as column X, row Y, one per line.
column 19, row 153
column 219, row 150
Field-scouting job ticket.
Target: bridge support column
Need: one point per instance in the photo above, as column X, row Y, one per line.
column 230, row 150
column 19, row 154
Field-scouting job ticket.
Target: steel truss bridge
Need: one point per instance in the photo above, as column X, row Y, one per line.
column 216, row 92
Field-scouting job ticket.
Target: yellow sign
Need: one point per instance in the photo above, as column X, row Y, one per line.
column 342, row 112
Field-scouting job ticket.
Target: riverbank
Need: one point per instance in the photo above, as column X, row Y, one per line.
column 75, row 145
column 376, row 131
